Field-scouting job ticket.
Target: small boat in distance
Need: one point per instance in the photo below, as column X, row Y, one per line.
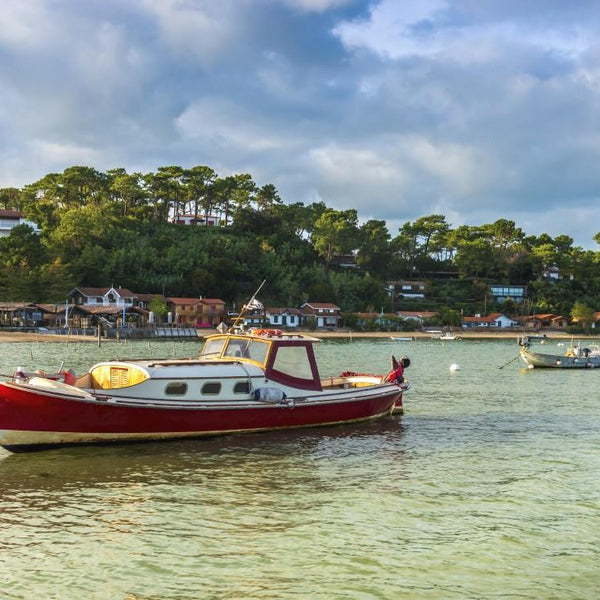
column 576, row 357
column 402, row 339
column 242, row 382
column 538, row 338
column 443, row 336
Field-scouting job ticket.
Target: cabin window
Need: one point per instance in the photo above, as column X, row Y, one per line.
column 237, row 348
column 293, row 361
column 211, row 388
column 213, row 347
column 246, row 348
column 258, row 350
column 176, row 388
column 241, row 387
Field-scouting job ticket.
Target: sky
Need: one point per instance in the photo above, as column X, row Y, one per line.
column 474, row 109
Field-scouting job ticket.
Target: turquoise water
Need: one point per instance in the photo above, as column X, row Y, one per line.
column 487, row 487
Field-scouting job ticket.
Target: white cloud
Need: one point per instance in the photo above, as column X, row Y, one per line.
column 460, row 170
column 477, row 110
column 227, row 126
column 363, row 167
column 25, row 25
column 202, row 30
column 318, row 6
column 430, row 28
column 61, row 154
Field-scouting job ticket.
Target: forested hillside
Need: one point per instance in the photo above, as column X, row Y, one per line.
column 114, row 228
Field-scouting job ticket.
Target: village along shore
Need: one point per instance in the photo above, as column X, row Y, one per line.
column 19, row 336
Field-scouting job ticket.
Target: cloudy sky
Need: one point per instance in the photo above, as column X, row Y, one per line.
column 475, row 109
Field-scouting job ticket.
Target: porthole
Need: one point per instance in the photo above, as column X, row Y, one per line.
column 211, row 388
column 241, row 387
column 176, row 388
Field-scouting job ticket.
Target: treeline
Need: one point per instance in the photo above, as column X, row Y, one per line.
column 113, row 228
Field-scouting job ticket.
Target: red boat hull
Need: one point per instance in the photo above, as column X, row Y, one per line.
column 30, row 419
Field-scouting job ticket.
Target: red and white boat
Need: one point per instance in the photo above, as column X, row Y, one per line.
column 242, row 382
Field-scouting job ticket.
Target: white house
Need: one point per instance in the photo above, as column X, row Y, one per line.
column 326, row 314
column 284, row 317
column 199, row 219
column 493, row 320
column 12, row 218
column 102, row 296
column 419, row 316
column 407, row 289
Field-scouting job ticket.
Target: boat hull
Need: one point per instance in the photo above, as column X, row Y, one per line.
column 551, row 361
column 33, row 419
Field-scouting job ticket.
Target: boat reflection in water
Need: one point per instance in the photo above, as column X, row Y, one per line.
column 241, row 382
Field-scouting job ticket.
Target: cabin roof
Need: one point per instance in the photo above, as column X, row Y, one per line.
column 184, row 300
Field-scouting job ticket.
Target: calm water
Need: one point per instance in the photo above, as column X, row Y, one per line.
column 487, row 487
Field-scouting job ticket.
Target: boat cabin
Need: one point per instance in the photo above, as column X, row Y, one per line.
column 287, row 359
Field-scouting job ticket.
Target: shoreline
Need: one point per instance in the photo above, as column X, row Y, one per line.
column 17, row 336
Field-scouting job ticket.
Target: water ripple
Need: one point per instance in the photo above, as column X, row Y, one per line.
column 485, row 488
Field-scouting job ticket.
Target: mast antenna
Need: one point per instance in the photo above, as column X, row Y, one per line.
column 246, row 306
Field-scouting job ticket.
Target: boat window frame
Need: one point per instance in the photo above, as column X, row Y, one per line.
column 234, row 348
column 172, row 384
column 274, row 374
column 237, row 384
column 215, row 345
column 217, row 385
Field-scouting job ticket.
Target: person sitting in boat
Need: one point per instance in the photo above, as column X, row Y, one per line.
column 396, row 375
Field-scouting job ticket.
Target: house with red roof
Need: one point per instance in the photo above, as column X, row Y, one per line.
column 212, row 312
column 200, row 312
column 546, row 321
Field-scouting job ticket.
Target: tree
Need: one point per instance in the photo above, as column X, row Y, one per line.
column 451, row 317
column 430, row 231
column 374, row 250
column 79, row 186
column 159, row 307
column 336, row 232
column 165, row 190
column 41, row 203
column 10, row 198
column 22, row 247
column 474, row 258
column 198, row 188
column 300, row 219
column 583, row 313
column 56, row 279
column 416, row 241
column 128, row 191
column 21, row 256
column 267, row 197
